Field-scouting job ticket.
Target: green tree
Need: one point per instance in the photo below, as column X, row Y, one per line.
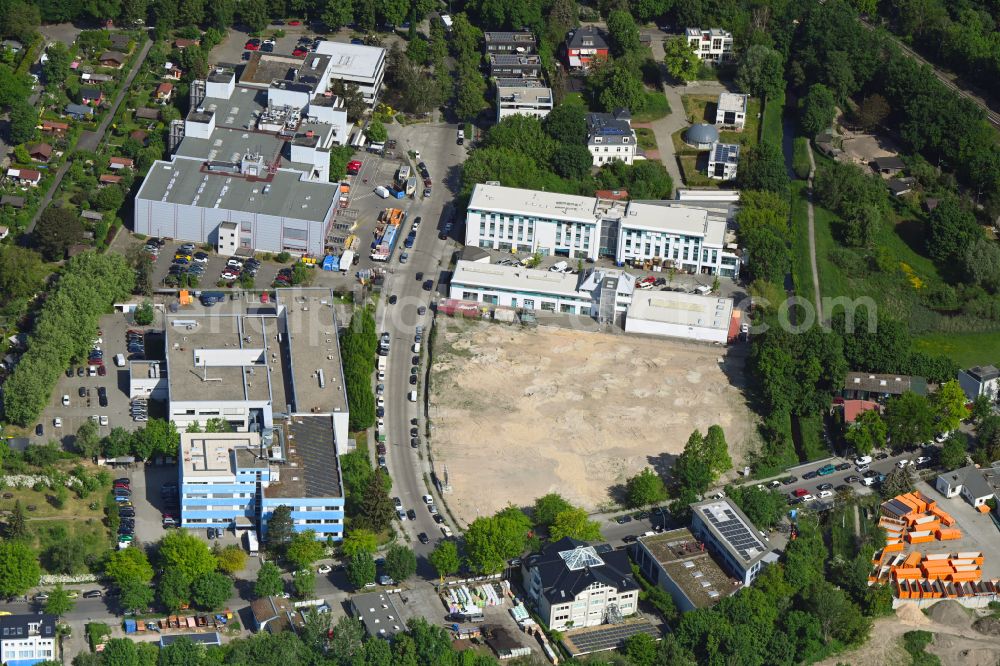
column 109, row 197
column 218, row 425
column 761, row 72
column 644, row 489
column 898, row 481
column 951, row 229
column 279, row 527
column 21, row 273
column 17, row 523
column 574, row 523
column 56, row 68
column 817, row 109
column 982, row 407
column 490, row 541
column 59, row 602
column 359, row 541
column 567, row 124
column 182, row 652
column 624, row 33
column 360, row 570
column 120, row 652
column 640, row 650
column 57, row 229
column 444, row 558
column 573, row 162
column 763, row 168
column 547, row 507
column 19, row 570
column 253, row 13
column 231, row 559
column 620, row 86
column 872, row 111
column 348, row 639
column 771, row 257
column 337, row 13
column 949, row 406
column 269, row 583
column 23, row 119
column 128, row 565
column 304, row 549
column 134, row 595
column 182, row 551
column 681, row 60
column 523, row 134
column 377, row 508
column 764, row 508
column 867, row 433
column 716, row 451
column 174, row 589
column 400, row 562
column 909, row 419
column 470, row 92
column 376, row 131
column 210, row 591
column 339, row 158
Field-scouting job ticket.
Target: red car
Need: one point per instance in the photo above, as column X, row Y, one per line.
column 101, row 371
column 299, row 52
column 294, row 22
column 252, row 45
column 353, row 167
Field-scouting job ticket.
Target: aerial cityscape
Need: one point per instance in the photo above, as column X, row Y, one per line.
column 457, row 333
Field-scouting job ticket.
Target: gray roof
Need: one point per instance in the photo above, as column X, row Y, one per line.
column 731, row 530
column 971, row 479
column 702, row 133
column 79, row 110
column 983, row 373
column 612, row 128
column 889, row 162
column 472, row 253
column 726, row 152
column 17, row 627
column 378, row 614
column 264, row 68
column 588, row 36
column 317, row 473
column 287, row 195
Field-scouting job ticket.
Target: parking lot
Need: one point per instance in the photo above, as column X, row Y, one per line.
column 147, row 480
column 213, row 267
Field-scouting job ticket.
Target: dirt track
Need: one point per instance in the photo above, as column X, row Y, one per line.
column 520, row 413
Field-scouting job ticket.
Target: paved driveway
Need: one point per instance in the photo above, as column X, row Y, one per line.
column 213, row 269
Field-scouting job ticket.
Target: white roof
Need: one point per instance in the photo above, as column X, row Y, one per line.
column 532, row 203
column 516, row 279
column 355, row 60
column 732, row 102
column 690, row 221
column 674, row 307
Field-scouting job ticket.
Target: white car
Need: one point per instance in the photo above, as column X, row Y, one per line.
column 65, row 401
column 446, row 531
column 922, row 459
column 808, row 498
column 942, row 437
column 428, row 500
column 104, row 420
column 863, row 460
column 380, row 402
column 324, row 569
column 903, row 463
column 95, row 418
column 235, row 263
column 57, row 422
column 825, row 493
column 381, row 376
column 401, row 514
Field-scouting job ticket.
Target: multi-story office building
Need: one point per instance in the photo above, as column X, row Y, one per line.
column 528, row 97
column 610, row 137
column 730, row 536
column 576, row 585
column 356, row 64
column 714, row 45
column 27, row 639
column 681, row 235
column 676, row 562
column 522, row 42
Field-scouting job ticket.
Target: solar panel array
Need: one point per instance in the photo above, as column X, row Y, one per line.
column 726, row 152
column 610, row 636
column 734, row 532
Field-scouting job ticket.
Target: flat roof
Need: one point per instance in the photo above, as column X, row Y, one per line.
column 884, row 383
column 607, row 636
column 184, row 182
column 311, row 467
column 732, row 102
column 378, row 614
column 516, row 278
column 223, row 357
column 547, row 205
column 514, row 59
column 212, row 454
column 229, row 145
column 689, row 566
column 726, row 152
column 263, row 68
column 674, row 307
column 731, row 529
column 352, row 60
column 516, row 84
column 687, row 221
column 523, row 95
column 239, row 111
column 311, row 336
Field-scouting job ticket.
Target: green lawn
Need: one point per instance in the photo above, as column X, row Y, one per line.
column 693, row 167
column 656, row 107
column 646, row 138
column 771, row 130
column 800, row 157
column 806, row 433
column 966, row 349
column 801, row 265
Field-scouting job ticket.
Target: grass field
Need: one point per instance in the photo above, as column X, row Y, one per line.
column 806, row 433
column 89, row 537
column 801, row 265
column 646, row 138
column 966, row 349
column 771, row 129
column 701, row 109
column 693, row 167
column 656, row 107
column 800, row 157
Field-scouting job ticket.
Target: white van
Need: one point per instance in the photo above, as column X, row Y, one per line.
column 120, row 360
column 382, row 192
column 416, row 347
column 702, row 289
column 559, row 267
column 412, row 396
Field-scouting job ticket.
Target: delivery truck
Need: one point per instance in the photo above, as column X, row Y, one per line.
column 382, row 191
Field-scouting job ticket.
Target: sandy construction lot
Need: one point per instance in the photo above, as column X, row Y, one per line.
column 520, row 413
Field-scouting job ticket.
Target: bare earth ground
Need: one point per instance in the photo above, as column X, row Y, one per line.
column 519, row 413
column 955, row 642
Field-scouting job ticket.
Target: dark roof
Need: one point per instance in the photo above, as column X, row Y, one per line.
column 90, row 93
column 561, row 583
column 10, row 200
column 120, row 41
column 589, row 36
column 890, row 162
column 612, row 127
column 889, row 384
column 113, row 55
column 147, row 113
column 701, row 133
column 317, row 473
column 79, row 110
column 274, row 614
column 472, row 253
column 900, row 185
column 726, row 152
column 18, row 626
column 983, row 373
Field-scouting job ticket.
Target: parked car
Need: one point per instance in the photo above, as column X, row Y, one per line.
column 826, row 470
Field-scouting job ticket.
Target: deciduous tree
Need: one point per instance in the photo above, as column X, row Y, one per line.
column 23, row 119
column 445, row 559
column 492, row 540
column 174, row 589
column 575, row 523
column 269, row 581
column 763, row 168
column 135, row 595
column 400, row 562
column 210, row 591
column 279, row 527
column 949, row 406
column 867, row 433
column 304, row 549
column 644, row 489
column 129, row 564
column 547, row 507
column 567, row 124
column 182, row 551
column 59, row 602
column 910, row 420
column 624, row 33
column 57, row 229
column 231, row 558
column 681, row 60
column 377, row 508
column 817, row 109
column 360, row 569
column 761, row 72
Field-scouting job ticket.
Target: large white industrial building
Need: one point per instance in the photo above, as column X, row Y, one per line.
column 679, row 315
column 680, row 234
column 357, row 64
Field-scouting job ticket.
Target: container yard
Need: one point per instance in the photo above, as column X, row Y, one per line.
column 387, row 231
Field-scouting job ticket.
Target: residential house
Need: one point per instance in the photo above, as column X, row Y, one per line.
column 871, row 386
column 714, row 45
column 40, row 152
column 28, row 177
column 97, row 78
column 852, row 409
column 172, row 72
column 120, row 163
column 515, row 65
column 108, row 179
column 92, row 96
column 522, row 42
column 12, row 201
column 969, row 482
column 900, row 186
column 79, row 111
column 731, row 536
column 181, row 43
column 122, row 43
column 980, row 380
column 53, row 127
column 529, row 97
column 27, row 639
column 584, row 46
column 723, row 158
column 275, row 614
column 888, row 166
column 164, row 92
column 112, row 59
column 731, row 110
column 146, row 113
column 610, row 137
column 574, row 584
